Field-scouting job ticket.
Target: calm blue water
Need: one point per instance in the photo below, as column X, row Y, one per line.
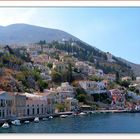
column 95, row 123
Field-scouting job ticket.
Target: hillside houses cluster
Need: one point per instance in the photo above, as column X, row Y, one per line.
column 44, row 103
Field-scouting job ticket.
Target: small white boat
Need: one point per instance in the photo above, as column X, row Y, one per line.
column 5, row 125
column 63, row 116
column 26, row 122
column 36, row 119
column 44, row 119
column 82, row 113
column 16, row 122
column 50, row 117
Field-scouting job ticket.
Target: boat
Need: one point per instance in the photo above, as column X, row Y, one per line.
column 5, row 125
column 16, row 122
column 82, row 113
column 26, row 122
column 44, row 119
column 50, row 117
column 63, row 116
column 36, row 119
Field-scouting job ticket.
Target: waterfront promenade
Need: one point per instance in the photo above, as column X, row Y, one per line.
column 31, row 118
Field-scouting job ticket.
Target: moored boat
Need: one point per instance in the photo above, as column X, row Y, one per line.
column 36, row 119
column 82, row 113
column 63, row 116
column 16, row 122
column 26, row 122
column 5, row 125
column 50, row 117
column 44, row 119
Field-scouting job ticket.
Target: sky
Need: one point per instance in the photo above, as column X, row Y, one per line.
column 114, row 30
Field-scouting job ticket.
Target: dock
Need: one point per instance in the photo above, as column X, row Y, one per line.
column 31, row 118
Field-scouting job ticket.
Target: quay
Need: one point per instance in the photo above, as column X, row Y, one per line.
column 31, row 118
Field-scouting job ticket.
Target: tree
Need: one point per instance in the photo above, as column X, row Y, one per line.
column 96, row 78
column 137, row 91
column 117, row 77
column 125, row 83
column 42, row 85
column 70, row 77
column 49, row 65
column 132, row 88
column 56, row 76
column 60, row 107
column 81, row 97
column 42, row 42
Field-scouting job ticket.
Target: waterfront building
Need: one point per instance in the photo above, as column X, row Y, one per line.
column 19, row 105
column 61, row 93
column 64, row 91
column 38, row 104
column 6, row 103
column 71, row 104
column 25, row 105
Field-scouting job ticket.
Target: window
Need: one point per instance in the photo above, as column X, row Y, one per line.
column 37, row 110
column 3, row 113
column 42, row 110
column 33, row 111
column 7, row 112
column 1, row 102
column 28, row 111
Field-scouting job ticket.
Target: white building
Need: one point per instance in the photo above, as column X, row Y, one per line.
column 109, row 57
column 99, row 73
column 93, row 87
column 133, row 95
column 60, row 66
column 64, row 91
column 82, row 67
column 6, row 103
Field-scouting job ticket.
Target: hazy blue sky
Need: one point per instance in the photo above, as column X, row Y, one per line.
column 116, row 30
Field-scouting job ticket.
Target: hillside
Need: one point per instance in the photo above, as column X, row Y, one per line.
column 135, row 67
column 24, row 33
column 85, row 52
